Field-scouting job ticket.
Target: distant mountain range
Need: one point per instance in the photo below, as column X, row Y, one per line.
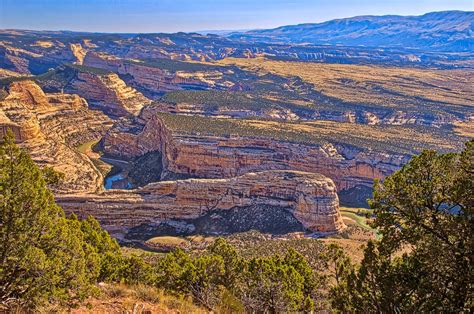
column 442, row 31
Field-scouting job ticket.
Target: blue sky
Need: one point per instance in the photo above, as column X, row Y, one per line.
column 194, row 15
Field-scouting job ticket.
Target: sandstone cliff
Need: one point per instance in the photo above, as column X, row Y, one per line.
column 16, row 59
column 154, row 80
column 49, row 126
column 108, row 93
column 311, row 198
column 210, row 156
column 79, row 52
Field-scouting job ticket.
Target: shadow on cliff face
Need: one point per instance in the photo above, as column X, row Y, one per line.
column 263, row 218
column 356, row 196
column 146, row 169
column 128, row 174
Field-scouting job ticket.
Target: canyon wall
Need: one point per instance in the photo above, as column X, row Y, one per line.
column 108, row 93
column 311, row 198
column 207, row 156
column 154, row 80
column 50, row 126
column 64, row 121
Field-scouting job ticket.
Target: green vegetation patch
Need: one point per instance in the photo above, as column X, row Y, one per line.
column 173, row 65
column 358, row 215
column 61, row 75
column 87, row 146
column 212, row 100
column 88, row 69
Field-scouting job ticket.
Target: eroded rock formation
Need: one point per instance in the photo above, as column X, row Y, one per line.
column 108, row 92
column 49, row 126
column 79, row 52
column 208, row 156
column 310, row 197
column 155, row 80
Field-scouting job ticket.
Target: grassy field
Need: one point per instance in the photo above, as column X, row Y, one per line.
column 122, row 298
column 393, row 87
column 167, row 240
column 86, row 147
column 356, row 216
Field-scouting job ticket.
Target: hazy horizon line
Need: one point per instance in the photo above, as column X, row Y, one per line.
column 224, row 30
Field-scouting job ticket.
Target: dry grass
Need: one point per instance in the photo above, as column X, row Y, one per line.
column 168, row 243
column 465, row 129
column 149, row 294
column 134, row 299
column 332, row 129
column 376, row 85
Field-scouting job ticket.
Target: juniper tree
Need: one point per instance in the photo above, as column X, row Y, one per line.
column 41, row 256
column 424, row 261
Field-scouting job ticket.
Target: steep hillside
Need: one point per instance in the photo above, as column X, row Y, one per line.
column 49, row 126
column 102, row 89
column 444, row 31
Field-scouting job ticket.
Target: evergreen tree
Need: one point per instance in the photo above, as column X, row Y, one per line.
column 41, row 256
column 425, row 210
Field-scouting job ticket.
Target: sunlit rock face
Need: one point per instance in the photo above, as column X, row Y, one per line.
column 154, row 80
column 109, row 93
column 310, row 197
column 50, row 126
column 206, row 156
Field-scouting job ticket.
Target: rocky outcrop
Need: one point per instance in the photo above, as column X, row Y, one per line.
column 16, row 59
column 34, row 58
column 108, row 93
column 18, row 110
column 29, row 94
column 8, row 73
column 311, row 198
column 79, row 52
column 49, row 126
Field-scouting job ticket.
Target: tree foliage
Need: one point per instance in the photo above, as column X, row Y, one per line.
column 269, row 284
column 44, row 255
column 424, row 261
column 40, row 254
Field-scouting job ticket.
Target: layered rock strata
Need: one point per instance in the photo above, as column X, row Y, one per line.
column 49, row 126
column 109, row 93
column 79, row 52
column 155, row 80
column 208, row 156
column 311, row 198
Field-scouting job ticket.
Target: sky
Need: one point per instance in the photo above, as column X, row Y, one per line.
column 149, row 16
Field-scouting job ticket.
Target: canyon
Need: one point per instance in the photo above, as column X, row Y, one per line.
column 183, row 134
column 154, row 80
column 211, row 156
column 108, row 93
column 46, row 125
column 49, row 126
